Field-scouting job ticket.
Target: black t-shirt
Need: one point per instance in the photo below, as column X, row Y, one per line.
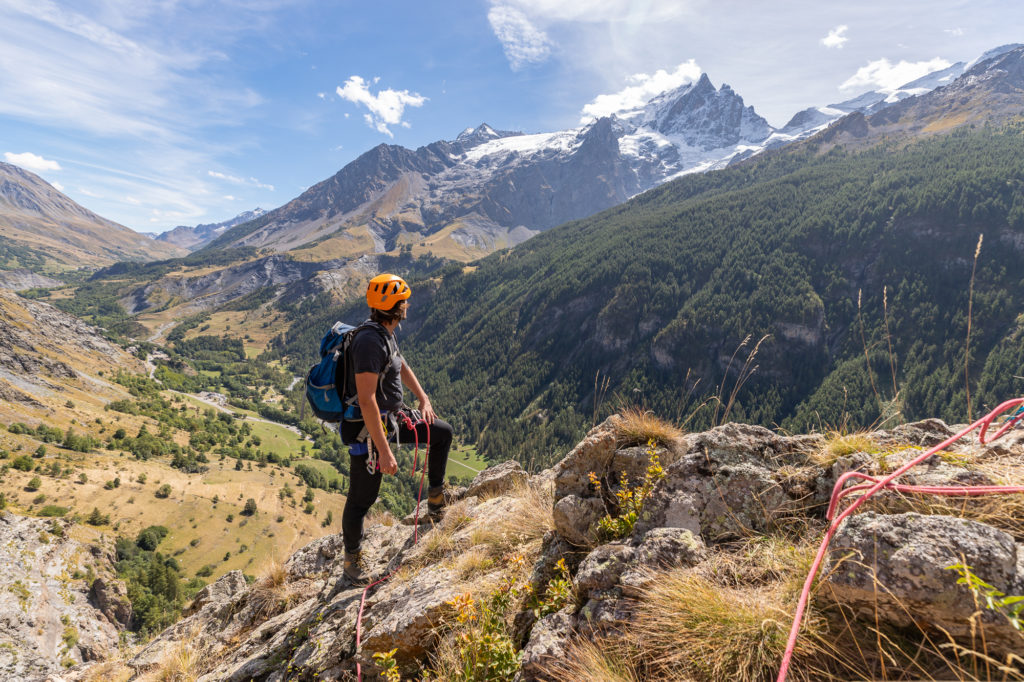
column 369, row 353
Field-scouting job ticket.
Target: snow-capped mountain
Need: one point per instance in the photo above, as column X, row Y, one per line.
column 193, row 238
column 814, row 119
column 489, row 188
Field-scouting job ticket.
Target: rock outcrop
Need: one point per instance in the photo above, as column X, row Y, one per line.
column 48, row 617
column 719, row 489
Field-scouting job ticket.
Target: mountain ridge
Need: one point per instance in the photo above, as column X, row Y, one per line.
column 43, row 229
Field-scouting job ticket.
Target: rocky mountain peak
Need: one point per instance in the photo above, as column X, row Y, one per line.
column 705, row 117
column 193, row 238
column 471, row 137
column 1007, row 66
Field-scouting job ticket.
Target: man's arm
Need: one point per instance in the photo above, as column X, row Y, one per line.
column 409, row 379
column 366, row 391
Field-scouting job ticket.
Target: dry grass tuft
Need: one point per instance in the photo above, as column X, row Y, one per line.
column 379, row 516
column 637, row 427
column 597, row 661
column 472, row 562
column 522, row 528
column 110, row 671
column 271, row 593
column 842, row 444
column 763, row 560
column 185, row 661
column 696, row 629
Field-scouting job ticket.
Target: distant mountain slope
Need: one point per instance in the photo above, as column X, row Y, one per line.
column 42, row 229
column 193, row 238
column 487, row 189
column 802, row 245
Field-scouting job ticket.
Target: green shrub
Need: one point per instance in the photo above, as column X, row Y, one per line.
column 23, row 463
column 163, row 491
column 53, row 510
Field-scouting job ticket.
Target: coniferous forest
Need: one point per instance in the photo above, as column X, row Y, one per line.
column 854, row 268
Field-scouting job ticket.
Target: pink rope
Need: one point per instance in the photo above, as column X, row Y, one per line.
column 887, row 482
column 411, row 425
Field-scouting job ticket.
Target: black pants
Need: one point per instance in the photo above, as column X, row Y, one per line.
column 363, row 486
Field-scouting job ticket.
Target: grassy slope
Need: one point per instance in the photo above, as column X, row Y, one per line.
column 189, row 512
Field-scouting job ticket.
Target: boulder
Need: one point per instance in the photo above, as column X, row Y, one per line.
column 899, row 565
column 593, row 453
column 575, row 518
column 728, row 483
column 315, row 558
column 220, row 593
column 111, row 598
column 601, row 569
column 549, row 641
column 497, row 480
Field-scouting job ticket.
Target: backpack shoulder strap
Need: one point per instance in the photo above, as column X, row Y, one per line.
column 349, row 337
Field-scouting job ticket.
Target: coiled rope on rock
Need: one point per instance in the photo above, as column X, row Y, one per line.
column 874, row 485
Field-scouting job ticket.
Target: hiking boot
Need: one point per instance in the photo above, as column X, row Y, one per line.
column 353, row 569
column 435, row 502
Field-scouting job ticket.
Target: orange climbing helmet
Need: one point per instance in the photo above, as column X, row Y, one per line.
column 384, row 291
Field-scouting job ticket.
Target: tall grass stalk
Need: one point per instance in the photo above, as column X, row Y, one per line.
column 745, row 373
column 967, row 345
column 864, row 343
column 888, row 339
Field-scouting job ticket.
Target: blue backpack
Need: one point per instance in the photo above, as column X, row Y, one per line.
column 326, row 381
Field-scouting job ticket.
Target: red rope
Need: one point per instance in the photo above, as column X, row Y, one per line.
column 887, row 482
column 411, row 425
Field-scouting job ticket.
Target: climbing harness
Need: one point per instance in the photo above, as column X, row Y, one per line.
column 873, row 485
column 407, row 416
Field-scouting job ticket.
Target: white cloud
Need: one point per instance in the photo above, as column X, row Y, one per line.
column 955, row 32
column 321, row 95
column 228, row 197
column 57, row 186
column 603, row 11
column 643, row 87
column 89, row 193
column 32, row 162
column 523, row 42
column 239, row 181
column 386, row 107
column 133, row 201
column 886, row 77
column 836, row 37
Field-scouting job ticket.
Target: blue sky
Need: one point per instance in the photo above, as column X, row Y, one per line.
column 167, row 112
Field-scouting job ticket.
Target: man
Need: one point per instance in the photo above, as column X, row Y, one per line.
column 378, row 371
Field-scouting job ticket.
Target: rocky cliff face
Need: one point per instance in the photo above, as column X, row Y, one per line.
column 44, row 351
column 50, row 619
column 20, row 279
column 736, row 513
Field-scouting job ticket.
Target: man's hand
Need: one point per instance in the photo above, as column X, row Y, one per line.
column 388, row 463
column 427, row 410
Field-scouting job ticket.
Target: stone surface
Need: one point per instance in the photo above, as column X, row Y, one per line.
column 576, row 517
column 548, row 642
column 898, row 563
column 601, row 569
column 593, row 453
column 728, row 483
column 41, row 600
column 497, row 479
column 111, row 598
